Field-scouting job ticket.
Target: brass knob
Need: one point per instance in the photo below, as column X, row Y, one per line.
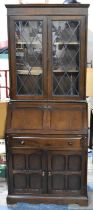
column 70, row 143
column 22, row 142
column 43, row 173
column 49, row 173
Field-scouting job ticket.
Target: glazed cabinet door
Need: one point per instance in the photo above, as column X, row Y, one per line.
column 27, row 171
column 28, row 57
column 66, row 57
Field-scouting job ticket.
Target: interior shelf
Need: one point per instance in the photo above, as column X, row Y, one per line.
column 68, row 71
column 66, row 43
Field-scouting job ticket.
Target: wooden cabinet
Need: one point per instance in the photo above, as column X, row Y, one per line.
column 46, row 131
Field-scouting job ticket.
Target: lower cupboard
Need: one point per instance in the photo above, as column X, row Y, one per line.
column 53, row 172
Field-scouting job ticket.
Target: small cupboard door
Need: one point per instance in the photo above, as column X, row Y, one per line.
column 65, row 172
column 66, row 50
column 28, row 57
column 27, row 173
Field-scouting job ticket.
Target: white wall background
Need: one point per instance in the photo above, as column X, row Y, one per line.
column 3, row 19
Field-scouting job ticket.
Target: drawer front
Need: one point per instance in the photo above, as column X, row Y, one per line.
column 48, row 143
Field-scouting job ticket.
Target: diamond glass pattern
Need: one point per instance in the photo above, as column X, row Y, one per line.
column 65, row 57
column 29, row 67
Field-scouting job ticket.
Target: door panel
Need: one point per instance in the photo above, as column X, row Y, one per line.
column 19, row 161
column 58, row 162
column 28, row 171
column 35, row 182
column 75, row 163
column 67, row 38
column 20, row 181
column 28, row 63
column 58, row 182
column 65, row 120
column 65, row 172
column 26, row 116
column 68, row 118
column 35, row 162
column 74, row 182
column 29, row 119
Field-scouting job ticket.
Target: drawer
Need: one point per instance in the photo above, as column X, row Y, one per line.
column 61, row 143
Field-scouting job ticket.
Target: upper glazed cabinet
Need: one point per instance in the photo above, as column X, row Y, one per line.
column 47, row 52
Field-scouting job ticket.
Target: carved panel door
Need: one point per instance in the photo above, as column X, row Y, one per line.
column 65, row 172
column 27, row 173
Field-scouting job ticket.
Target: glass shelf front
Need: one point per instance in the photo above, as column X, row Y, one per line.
column 65, row 57
column 29, row 64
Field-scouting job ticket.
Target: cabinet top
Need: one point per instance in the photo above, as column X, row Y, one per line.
column 77, row 5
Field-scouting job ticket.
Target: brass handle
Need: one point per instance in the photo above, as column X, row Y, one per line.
column 22, row 142
column 70, row 143
column 49, row 173
column 43, row 173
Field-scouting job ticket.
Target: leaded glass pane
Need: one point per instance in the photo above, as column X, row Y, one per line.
column 65, row 57
column 29, row 66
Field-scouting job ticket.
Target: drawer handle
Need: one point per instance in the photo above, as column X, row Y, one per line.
column 22, row 142
column 70, row 143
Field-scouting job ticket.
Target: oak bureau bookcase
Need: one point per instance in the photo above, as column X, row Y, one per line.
column 46, row 132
